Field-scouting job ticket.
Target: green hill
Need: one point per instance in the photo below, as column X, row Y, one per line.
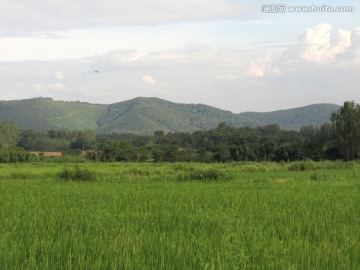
column 151, row 114
column 146, row 115
column 296, row 118
column 45, row 113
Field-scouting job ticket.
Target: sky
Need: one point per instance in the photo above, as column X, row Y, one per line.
column 230, row 54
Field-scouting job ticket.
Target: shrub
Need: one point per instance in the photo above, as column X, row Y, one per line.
column 204, row 175
column 137, row 172
column 303, row 166
column 261, row 180
column 73, row 152
column 19, row 175
column 13, row 154
column 318, row 177
column 77, row 174
column 339, row 164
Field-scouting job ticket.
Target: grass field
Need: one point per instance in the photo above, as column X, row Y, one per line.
column 301, row 215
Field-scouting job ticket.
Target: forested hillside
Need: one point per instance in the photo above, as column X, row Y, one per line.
column 144, row 116
column 44, row 114
column 336, row 140
column 295, row 118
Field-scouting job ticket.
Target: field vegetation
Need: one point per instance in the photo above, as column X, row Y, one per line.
column 244, row 215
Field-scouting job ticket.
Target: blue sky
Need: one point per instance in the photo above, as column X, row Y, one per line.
column 227, row 54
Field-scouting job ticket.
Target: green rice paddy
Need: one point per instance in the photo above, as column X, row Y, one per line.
column 302, row 215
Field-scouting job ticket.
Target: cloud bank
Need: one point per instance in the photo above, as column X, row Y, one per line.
column 38, row 15
column 323, row 66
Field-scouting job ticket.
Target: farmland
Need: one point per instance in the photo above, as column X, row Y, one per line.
column 301, row 215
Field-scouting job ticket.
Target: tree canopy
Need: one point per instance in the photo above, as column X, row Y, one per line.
column 338, row 139
column 346, row 127
column 9, row 133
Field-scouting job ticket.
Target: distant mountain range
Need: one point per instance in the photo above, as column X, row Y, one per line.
column 147, row 115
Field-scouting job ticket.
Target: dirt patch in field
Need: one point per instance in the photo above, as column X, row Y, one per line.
column 47, row 154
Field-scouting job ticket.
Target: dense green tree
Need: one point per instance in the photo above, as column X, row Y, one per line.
column 141, row 154
column 311, row 147
column 12, row 154
column 327, row 140
column 166, row 152
column 116, row 151
column 346, row 127
column 267, row 149
column 85, row 140
column 9, row 133
column 30, row 138
column 187, row 155
column 225, row 143
column 222, row 153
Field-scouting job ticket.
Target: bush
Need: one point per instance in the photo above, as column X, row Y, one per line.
column 73, row 152
column 13, row 154
column 318, row 177
column 14, row 175
column 204, row 175
column 137, row 172
column 303, row 166
column 77, row 174
column 261, row 180
column 339, row 164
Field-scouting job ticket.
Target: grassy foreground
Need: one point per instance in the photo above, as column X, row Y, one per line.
column 302, row 215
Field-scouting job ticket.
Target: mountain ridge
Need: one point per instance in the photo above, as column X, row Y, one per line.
column 144, row 115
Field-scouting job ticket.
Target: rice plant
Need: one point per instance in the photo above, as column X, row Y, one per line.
column 140, row 216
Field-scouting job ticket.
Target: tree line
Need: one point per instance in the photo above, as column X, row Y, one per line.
column 339, row 139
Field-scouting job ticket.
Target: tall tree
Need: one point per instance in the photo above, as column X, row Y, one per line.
column 9, row 133
column 346, row 126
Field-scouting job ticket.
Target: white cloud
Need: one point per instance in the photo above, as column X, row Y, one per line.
column 255, row 71
column 232, row 79
column 187, row 57
column 321, row 47
column 259, row 66
column 48, row 86
column 227, row 77
column 353, row 53
column 30, row 15
column 120, row 57
column 148, row 79
column 59, row 75
column 344, row 42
